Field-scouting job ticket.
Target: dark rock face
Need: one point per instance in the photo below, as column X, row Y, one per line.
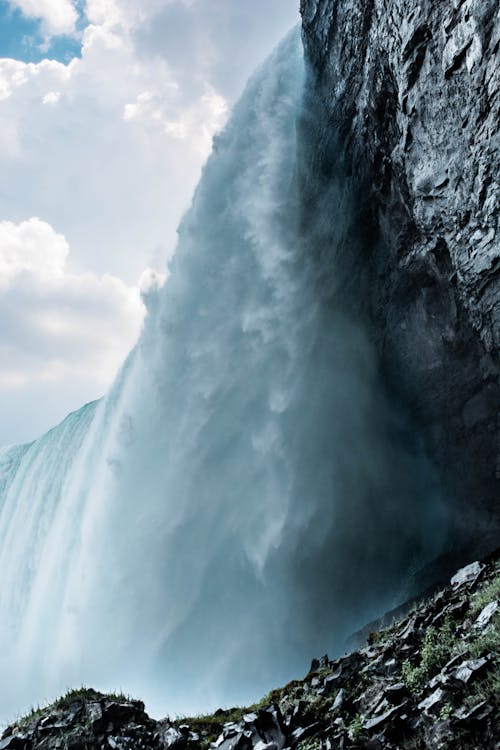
column 412, row 89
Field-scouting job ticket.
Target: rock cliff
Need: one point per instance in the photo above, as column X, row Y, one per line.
column 411, row 89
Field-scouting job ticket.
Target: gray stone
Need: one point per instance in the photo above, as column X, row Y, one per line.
column 94, row 715
column 467, row 574
column 395, row 693
column 301, row 733
column 174, row 740
column 469, row 669
column 250, row 718
column 15, row 742
column 478, row 713
column 486, row 615
column 321, row 663
column 339, row 700
column 411, row 90
column 378, row 721
column 237, row 742
column 434, row 700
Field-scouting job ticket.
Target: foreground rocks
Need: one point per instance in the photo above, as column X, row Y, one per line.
column 429, row 680
column 411, row 91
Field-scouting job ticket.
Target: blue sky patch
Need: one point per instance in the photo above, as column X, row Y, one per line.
column 22, row 38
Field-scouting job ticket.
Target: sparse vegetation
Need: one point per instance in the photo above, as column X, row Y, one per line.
column 489, row 642
column 490, row 592
column 442, row 628
column 312, row 743
column 446, row 711
column 436, row 650
column 355, row 727
column 82, row 695
column 88, row 695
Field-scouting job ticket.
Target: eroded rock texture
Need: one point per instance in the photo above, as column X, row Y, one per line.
column 412, row 89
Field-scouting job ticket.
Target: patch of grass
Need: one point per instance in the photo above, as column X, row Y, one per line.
column 436, row 650
column 490, row 592
column 88, row 695
column 82, row 695
column 488, row 642
column 487, row 689
column 210, row 726
column 34, row 714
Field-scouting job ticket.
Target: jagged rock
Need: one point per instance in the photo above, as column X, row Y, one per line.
column 271, row 726
column 94, row 715
column 339, row 700
column 409, row 96
column 486, row 615
column 15, row 742
column 174, row 740
column 317, row 664
column 396, row 693
column 240, row 741
column 303, row 733
column 381, row 719
column 468, row 574
column 434, row 701
column 344, row 669
column 250, row 718
column 478, row 713
column 469, row 669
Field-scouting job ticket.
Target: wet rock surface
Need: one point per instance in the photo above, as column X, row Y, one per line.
column 429, row 680
column 411, row 89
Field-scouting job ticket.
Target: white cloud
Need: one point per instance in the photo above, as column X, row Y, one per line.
column 198, row 122
column 52, row 97
column 57, row 16
column 113, row 171
column 58, row 328
column 108, row 149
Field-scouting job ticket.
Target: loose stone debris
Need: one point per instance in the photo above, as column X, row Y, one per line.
column 429, row 680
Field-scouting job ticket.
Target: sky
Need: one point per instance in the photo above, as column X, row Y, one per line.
column 107, row 113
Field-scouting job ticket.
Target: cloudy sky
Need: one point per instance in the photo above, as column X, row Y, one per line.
column 107, row 111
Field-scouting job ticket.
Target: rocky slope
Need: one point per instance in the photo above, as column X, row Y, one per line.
column 412, row 91
column 429, row 680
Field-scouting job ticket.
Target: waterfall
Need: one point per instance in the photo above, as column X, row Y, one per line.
column 246, row 494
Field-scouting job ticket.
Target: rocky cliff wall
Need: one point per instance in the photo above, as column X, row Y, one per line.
column 411, row 88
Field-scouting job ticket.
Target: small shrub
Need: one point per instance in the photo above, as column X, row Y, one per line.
column 446, row 711
column 436, row 650
column 413, row 676
column 354, row 728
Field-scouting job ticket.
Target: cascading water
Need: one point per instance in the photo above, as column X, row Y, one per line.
column 244, row 496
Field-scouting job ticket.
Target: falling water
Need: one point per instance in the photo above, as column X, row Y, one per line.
column 245, row 494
